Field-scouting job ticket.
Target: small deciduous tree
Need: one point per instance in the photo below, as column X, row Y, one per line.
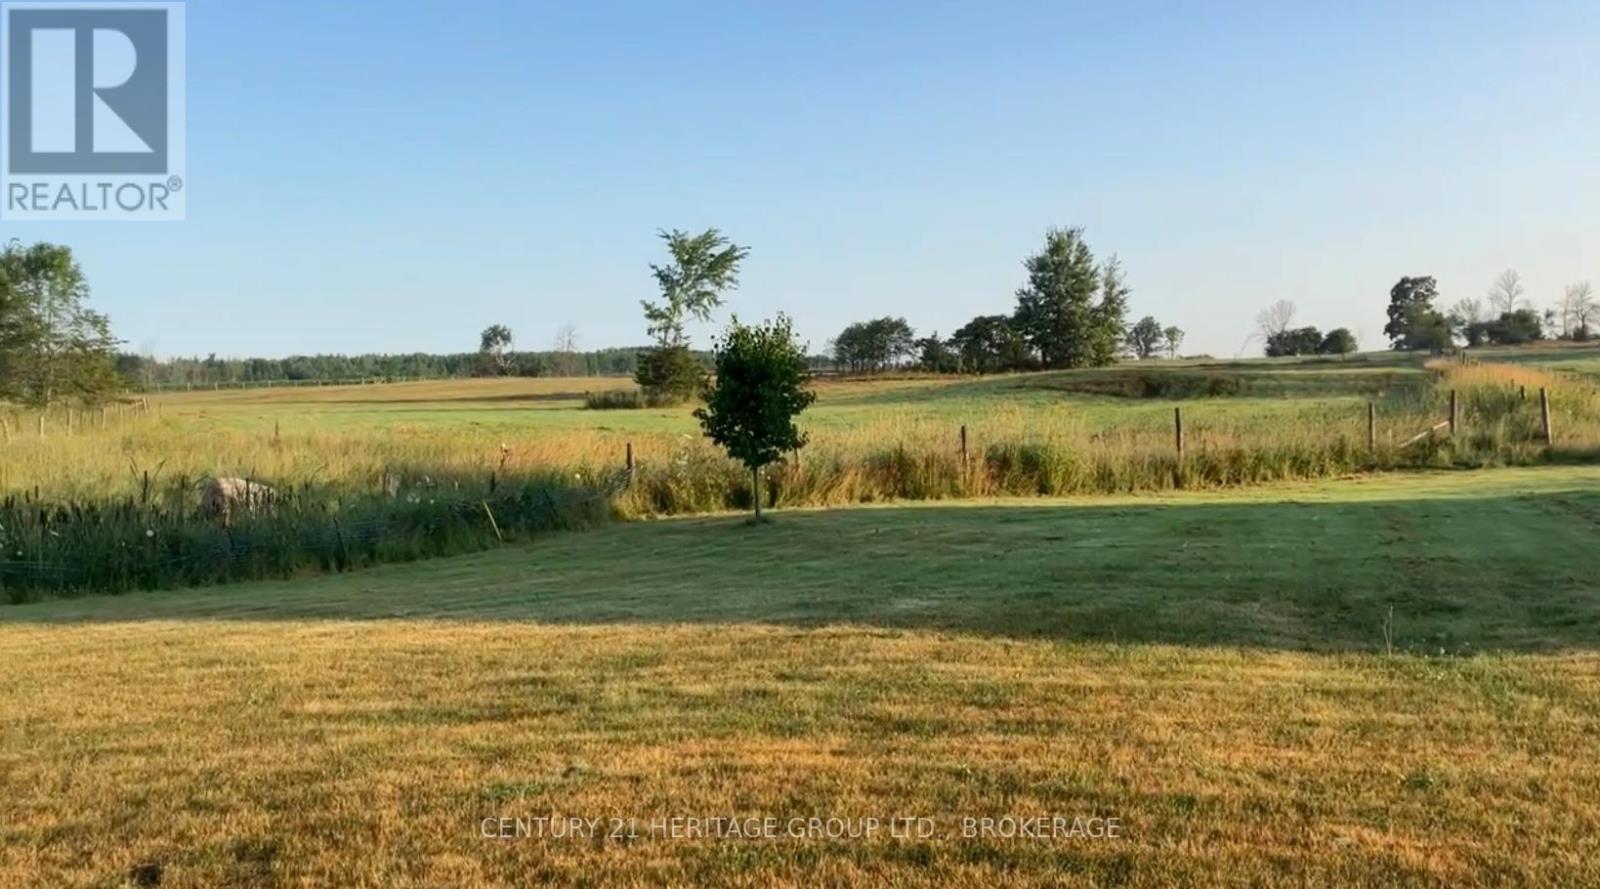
column 936, row 356
column 1145, row 337
column 1298, row 341
column 1506, row 293
column 1109, row 314
column 1577, row 310
column 1339, row 341
column 1426, row 329
column 1413, row 322
column 566, row 348
column 701, row 269
column 1174, row 338
column 1274, row 320
column 990, row 343
column 1469, row 310
column 494, row 350
column 869, row 346
column 759, row 387
column 1515, row 328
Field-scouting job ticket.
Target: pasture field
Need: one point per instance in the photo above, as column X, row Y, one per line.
column 1381, row 681
column 1577, row 358
column 1245, row 421
column 107, row 500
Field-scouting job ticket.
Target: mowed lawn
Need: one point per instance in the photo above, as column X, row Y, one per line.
column 1379, row 681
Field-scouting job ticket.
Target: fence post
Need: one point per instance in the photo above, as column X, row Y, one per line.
column 1455, row 413
column 1372, row 426
column 630, row 462
column 1544, row 416
column 1524, row 393
column 963, row 447
column 1177, row 426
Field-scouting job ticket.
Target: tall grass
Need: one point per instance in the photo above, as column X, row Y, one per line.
column 112, row 506
column 162, row 540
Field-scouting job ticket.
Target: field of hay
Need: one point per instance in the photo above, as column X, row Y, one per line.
column 108, row 500
column 1385, row 681
column 873, row 439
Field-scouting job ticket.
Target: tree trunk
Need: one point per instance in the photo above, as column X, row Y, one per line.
column 755, row 489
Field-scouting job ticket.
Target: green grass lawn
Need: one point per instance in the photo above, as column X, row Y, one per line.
column 1209, row 669
column 1468, row 561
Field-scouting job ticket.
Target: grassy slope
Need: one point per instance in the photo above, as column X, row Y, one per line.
column 1206, row 667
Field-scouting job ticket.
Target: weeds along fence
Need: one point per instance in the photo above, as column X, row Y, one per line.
column 71, row 420
column 1472, row 416
column 701, row 482
column 52, row 550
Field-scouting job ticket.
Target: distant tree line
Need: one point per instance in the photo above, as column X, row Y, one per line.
column 1503, row 317
column 1070, row 312
column 148, row 372
column 1280, row 338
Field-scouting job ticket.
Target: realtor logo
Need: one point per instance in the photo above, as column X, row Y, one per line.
column 93, row 117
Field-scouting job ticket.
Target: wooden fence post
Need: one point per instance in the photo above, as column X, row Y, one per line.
column 1544, row 416
column 1177, row 426
column 963, row 446
column 1455, row 413
column 630, row 462
column 1372, row 426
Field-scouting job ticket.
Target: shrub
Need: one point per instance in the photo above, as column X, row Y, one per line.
column 617, row 399
column 669, row 375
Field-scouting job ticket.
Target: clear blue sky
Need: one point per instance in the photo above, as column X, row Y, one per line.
column 395, row 176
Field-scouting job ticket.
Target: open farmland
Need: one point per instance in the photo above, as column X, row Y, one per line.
column 1318, row 663
column 1386, row 681
column 107, row 500
column 349, row 435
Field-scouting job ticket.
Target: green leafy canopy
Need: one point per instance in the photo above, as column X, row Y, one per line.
column 759, row 388
column 51, row 345
column 702, row 267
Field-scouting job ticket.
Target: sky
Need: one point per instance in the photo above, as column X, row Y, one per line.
column 394, row 177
